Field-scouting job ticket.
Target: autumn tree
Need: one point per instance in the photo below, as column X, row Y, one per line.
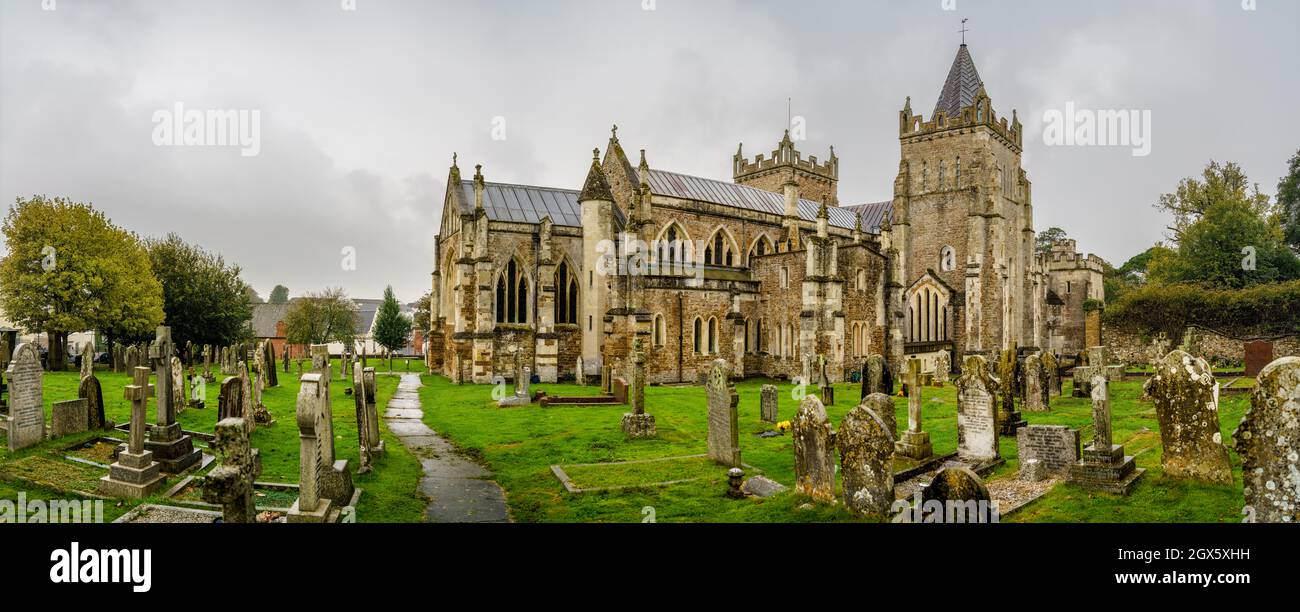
column 320, row 318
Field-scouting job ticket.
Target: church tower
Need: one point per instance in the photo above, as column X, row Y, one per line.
column 963, row 224
column 814, row 181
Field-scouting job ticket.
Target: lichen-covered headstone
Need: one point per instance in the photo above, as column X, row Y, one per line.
column 1009, row 417
column 883, row 405
column 1052, row 369
column 977, row 419
column 230, row 402
column 87, row 359
column 1268, row 441
column 942, row 368
column 26, row 425
column 68, row 418
column 231, row 483
column 768, row 404
column 915, row 441
column 1185, row 394
column 724, row 434
column 1033, row 381
column 866, row 462
column 956, row 484
column 875, row 371
column 90, row 390
column 814, row 462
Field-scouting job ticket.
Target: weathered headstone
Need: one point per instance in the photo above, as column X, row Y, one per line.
column 272, row 378
column 1009, row 418
column 1035, row 391
column 87, row 359
column 1054, row 447
column 230, row 402
column 866, row 462
column 1186, row 398
column 957, row 484
column 977, row 419
column 942, row 368
column 231, row 483
column 311, row 506
column 363, row 418
column 883, row 405
column 724, row 432
column 69, row 418
column 1053, row 370
column 762, row 486
column 90, row 390
column 1268, row 441
column 580, row 373
column 814, row 459
column 638, row 424
column 247, row 395
column 1104, row 465
column 335, row 479
column 768, row 404
column 826, row 389
column 171, row 446
column 874, row 370
column 178, row 384
column 26, row 424
column 915, row 442
column 135, row 474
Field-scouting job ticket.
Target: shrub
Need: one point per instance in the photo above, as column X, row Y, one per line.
column 1272, row 309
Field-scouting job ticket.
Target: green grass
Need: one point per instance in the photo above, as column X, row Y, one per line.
column 389, row 490
column 520, row 444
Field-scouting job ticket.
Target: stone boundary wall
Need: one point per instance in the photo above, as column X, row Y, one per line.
column 1133, row 349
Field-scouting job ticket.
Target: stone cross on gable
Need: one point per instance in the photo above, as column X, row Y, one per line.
column 162, row 350
column 138, row 393
column 231, row 484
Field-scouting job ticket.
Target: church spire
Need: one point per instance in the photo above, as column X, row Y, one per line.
column 962, row 86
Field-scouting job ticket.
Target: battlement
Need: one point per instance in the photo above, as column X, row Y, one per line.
column 978, row 114
column 784, row 156
column 1064, row 257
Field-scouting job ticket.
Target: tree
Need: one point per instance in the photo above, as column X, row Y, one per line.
column 1046, row 238
column 1220, row 183
column 1288, row 202
column 205, row 300
column 392, row 329
column 1226, row 235
column 423, row 313
column 1132, row 275
column 279, row 295
column 320, row 318
column 251, row 294
column 69, row 269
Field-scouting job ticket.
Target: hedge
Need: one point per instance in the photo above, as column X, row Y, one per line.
column 1262, row 310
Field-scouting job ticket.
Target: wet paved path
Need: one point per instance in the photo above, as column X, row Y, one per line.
column 461, row 491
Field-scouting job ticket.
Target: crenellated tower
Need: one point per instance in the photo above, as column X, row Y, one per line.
column 816, row 181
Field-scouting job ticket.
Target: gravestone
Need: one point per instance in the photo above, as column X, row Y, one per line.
column 606, row 379
column 1035, row 390
column 363, row 418
column 814, row 460
column 26, row 424
column 523, row 375
column 874, row 372
column 231, row 483
column 1187, row 405
column 942, row 368
column 1054, row 447
column 826, row 389
column 977, row 419
column 637, row 424
column 1259, row 354
column 866, row 462
column 311, row 506
column 915, row 442
column 724, row 431
column 1052, row 369
column 248, row 401
column 1104, row 465
column 87, row 359
column 1268, row 443
column 135, row 474
column 335, row 479
column 272, row 378
column 90, row 391
column 1009, row 418
column 883, row 405
column 207, row 363
column 230, row 401
column 69, row 418
column 954, row 483
column 178, row 384
column 170, row 445
column 580, row 373
column 372, row 411
column 768, row 404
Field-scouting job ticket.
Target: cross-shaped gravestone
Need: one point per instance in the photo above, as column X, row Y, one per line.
column 138, row 393
column 161, row 351
column 914, row 395
column 231, row 484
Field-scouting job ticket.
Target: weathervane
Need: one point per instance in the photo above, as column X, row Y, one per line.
column 964, row 30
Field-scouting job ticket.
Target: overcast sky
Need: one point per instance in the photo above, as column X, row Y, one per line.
column 360, row 110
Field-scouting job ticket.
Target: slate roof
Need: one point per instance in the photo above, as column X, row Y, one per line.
column 874, row 214
column 265, row 318
column 526, row 203
column 962, row 86
column 663, row 182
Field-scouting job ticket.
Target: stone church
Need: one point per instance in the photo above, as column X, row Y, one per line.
column 769, row 271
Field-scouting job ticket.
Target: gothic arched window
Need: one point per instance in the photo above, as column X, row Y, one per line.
column 699, row 336
column 512, row 295
column 566, row 295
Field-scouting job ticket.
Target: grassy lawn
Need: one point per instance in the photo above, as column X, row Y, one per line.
column 389, row 491
column 520, row 445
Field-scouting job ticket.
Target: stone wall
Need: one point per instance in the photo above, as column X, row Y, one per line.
column 1219, row 350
